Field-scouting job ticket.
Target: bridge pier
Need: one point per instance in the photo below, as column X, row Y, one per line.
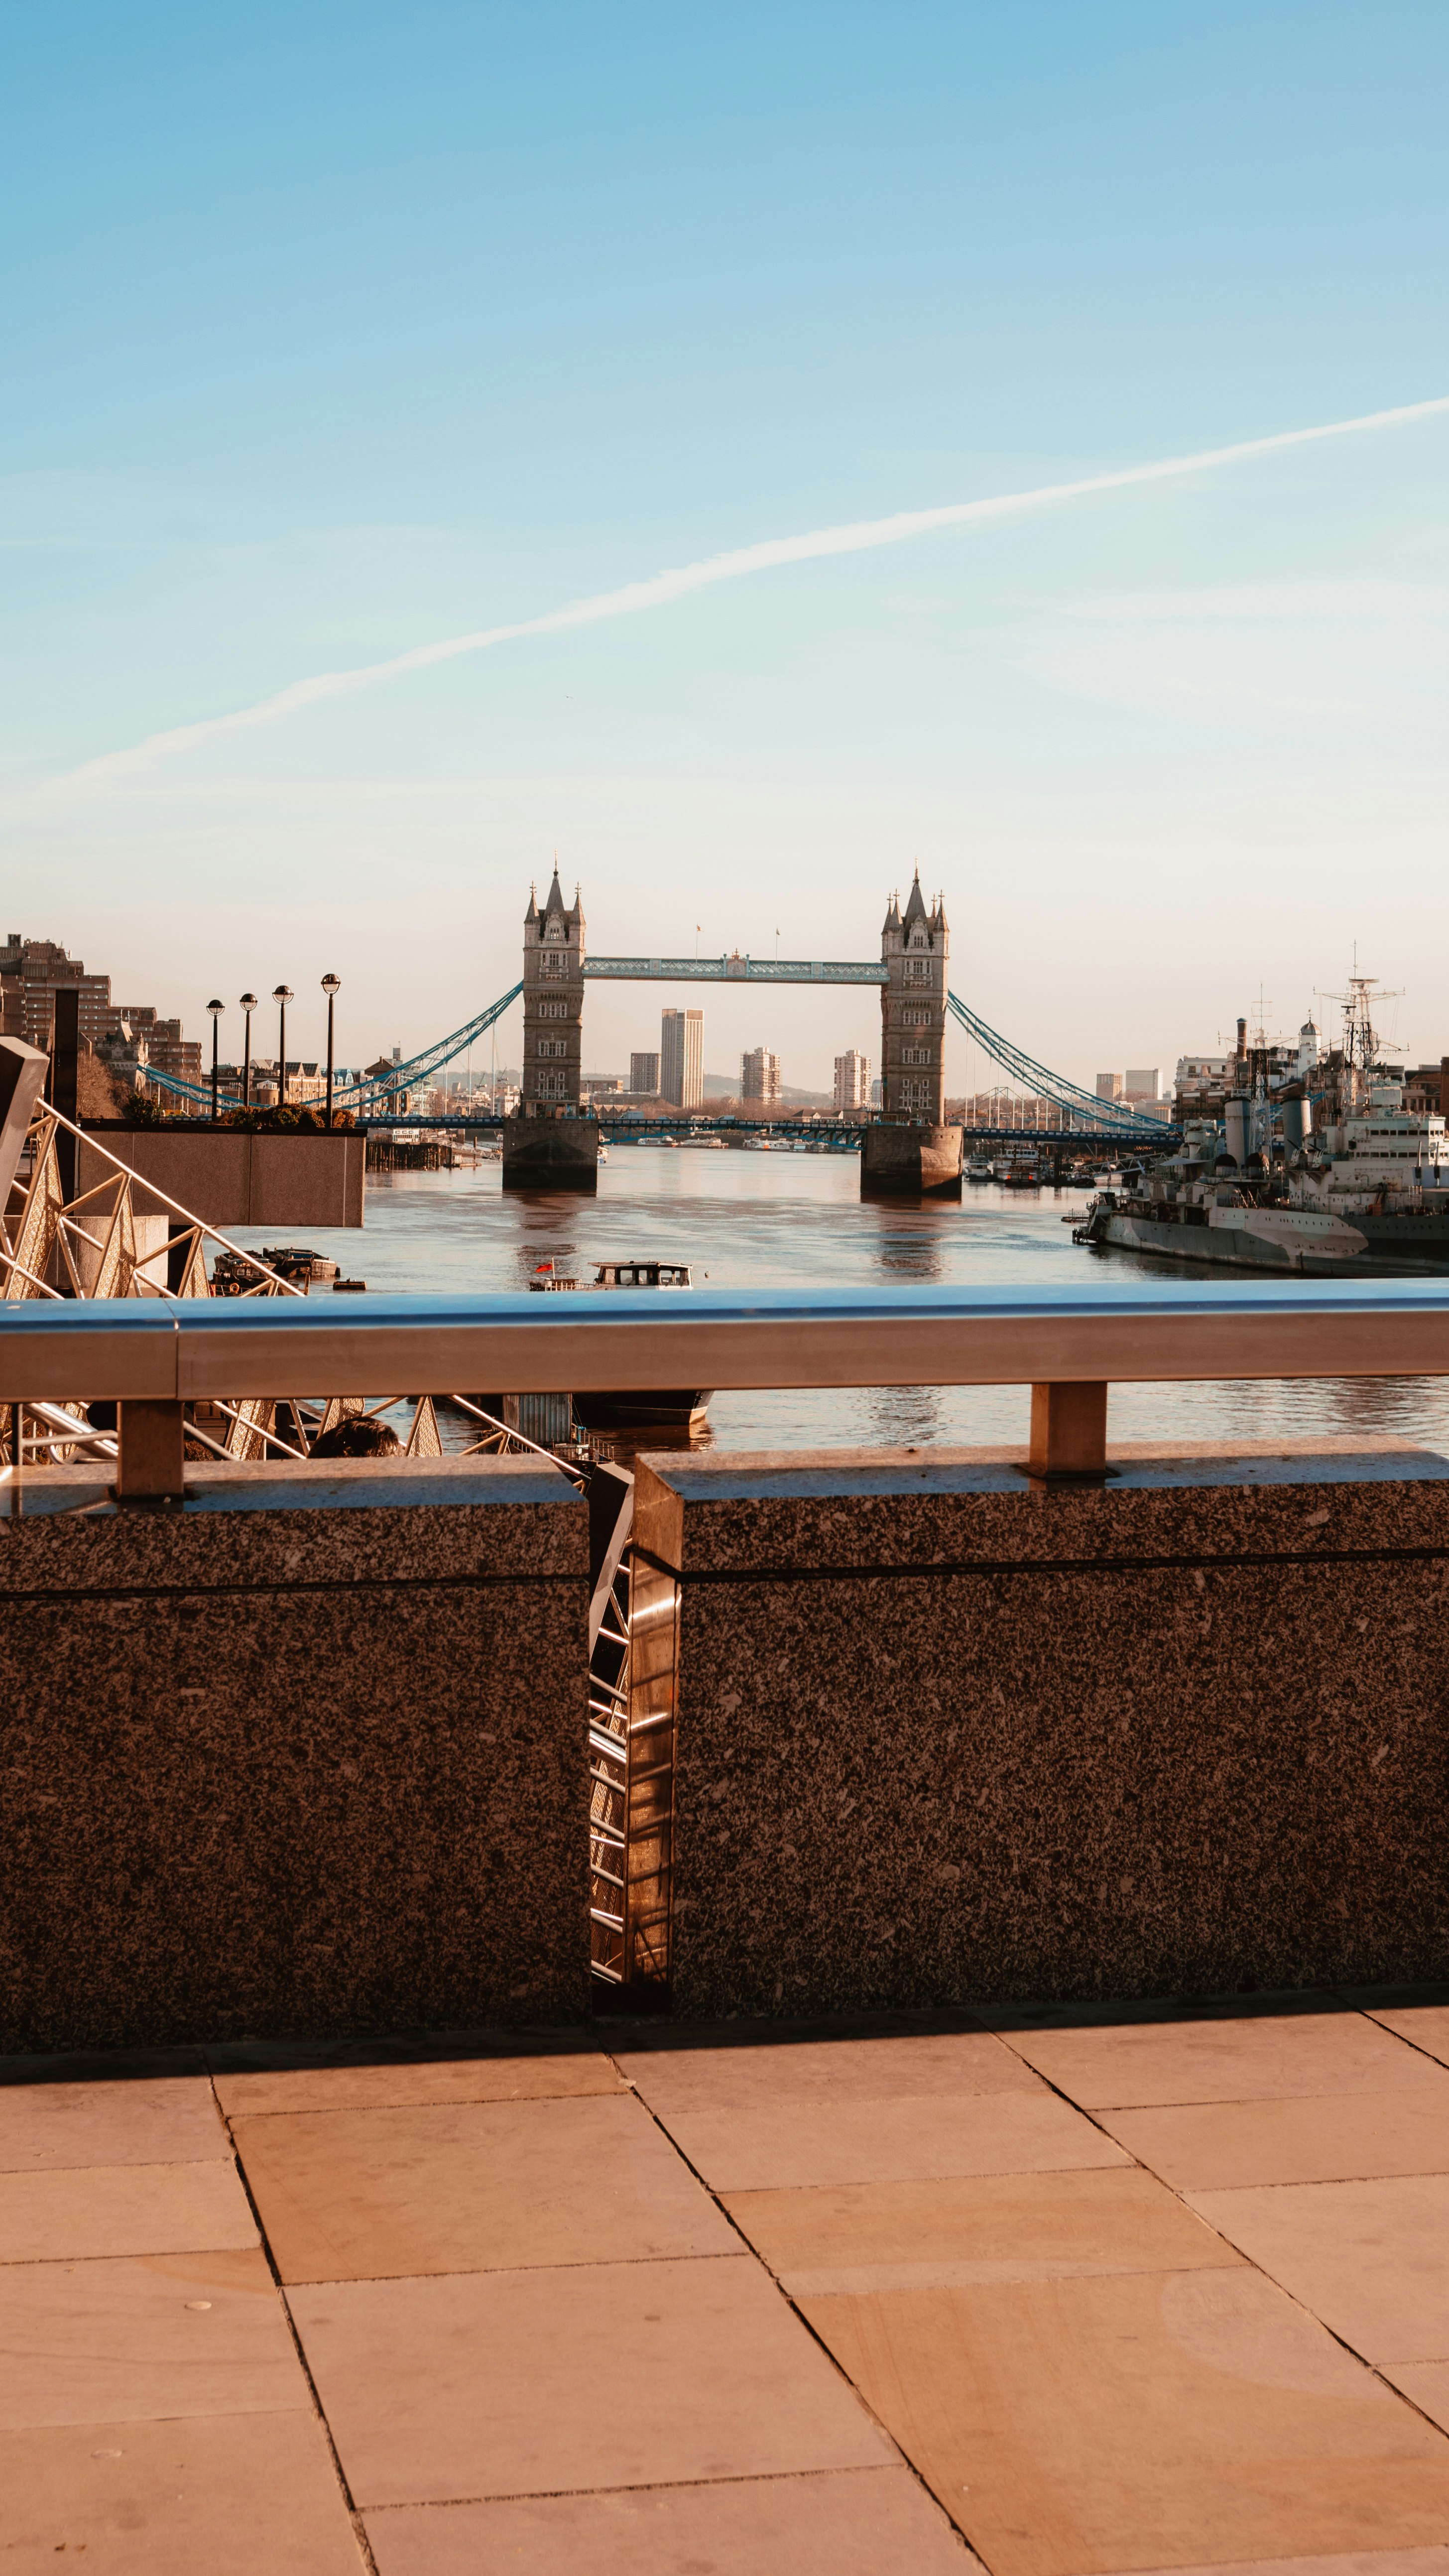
column 545, row 1150
column 915, row 1161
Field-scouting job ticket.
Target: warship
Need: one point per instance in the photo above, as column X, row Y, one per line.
column 1327, row 1173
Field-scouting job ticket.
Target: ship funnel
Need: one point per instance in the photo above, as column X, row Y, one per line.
column 1236, row 1113
column 1297, row 1122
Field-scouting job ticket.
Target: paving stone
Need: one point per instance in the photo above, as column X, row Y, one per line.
column 991, row 2227
column 230, row 2495
column 1370, row 2258
column 1228, row 2057
column 1425, row 2026
column 251, row 2079
column 890, row 2066
column 526, row 2383
column 1141, row 2420
column 478, row 2186
column 771, row 2146
column 161, row 2335
column 164, row 2121
column 1337, row 2137
column 88, row 2210
column 855, row 2522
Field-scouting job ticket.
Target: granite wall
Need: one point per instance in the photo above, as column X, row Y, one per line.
column 305, row 1758
column 943, row 1736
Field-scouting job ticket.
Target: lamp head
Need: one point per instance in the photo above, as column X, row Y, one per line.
column 331, row 984
column 281, row 992
column 216, row 1009
column 248, row 1001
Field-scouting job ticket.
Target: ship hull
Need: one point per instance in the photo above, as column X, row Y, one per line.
column 677, row 1408
column 1231, row 1247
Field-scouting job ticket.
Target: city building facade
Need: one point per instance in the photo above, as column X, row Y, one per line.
column 759, row 1078
column 1109, row 1086
column 914, row 947
column 553, row 1000
column 852, row 1082
column 681, row 1058
column 644, row 1074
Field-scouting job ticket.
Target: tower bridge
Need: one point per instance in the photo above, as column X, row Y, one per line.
column 910, row 1149
column 906, row 1145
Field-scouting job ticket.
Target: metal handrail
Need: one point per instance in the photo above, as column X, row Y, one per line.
column 649, row 1338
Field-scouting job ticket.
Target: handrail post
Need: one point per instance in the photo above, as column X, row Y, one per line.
column 151, row 1446
column 1069, row 1428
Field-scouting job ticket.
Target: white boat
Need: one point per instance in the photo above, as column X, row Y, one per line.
column 978, row 1169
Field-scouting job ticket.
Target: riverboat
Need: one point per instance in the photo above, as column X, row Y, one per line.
column 673, row 1408
column 978, row 1168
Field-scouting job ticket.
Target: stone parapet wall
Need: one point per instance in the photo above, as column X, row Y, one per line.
column 303, row 1759
column 235, row 1176
column 945, row 1737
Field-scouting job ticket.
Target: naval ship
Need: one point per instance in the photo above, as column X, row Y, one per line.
column 1326, row 1175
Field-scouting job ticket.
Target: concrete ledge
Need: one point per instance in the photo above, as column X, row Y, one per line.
column 229, row 1176
column 943, row 1737
column 303, row 1759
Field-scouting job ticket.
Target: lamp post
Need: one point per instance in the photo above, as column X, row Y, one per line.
column 249, row 1004
column 331, row 986
column 281, row 995
column 216, row 1009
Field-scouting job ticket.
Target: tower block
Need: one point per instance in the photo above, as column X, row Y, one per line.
column 549, row 1145
column 910, row 1152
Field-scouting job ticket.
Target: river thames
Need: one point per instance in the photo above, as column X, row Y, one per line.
column 794, row 1220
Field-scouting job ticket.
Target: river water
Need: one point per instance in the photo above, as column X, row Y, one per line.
column 748, row 1219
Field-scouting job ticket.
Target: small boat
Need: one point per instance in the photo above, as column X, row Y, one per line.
column 598, row 1409
column 978, row 1169
column 1023, row 1176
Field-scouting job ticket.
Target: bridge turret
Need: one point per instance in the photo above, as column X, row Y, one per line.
column 553, row 1000
column 915, row 946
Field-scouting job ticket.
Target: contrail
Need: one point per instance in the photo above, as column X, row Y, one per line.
column 661, row 587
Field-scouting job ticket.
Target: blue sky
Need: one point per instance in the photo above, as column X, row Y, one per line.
column 330, row 331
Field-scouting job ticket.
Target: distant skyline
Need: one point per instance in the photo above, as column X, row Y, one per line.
column 336, row 338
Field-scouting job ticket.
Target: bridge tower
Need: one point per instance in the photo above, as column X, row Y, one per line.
column 553, row 1000
column 548, row 1145
column 909, row 1152
column 914, row 948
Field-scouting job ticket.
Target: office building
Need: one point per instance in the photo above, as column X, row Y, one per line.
column 852, row 1082
column 644, row 1074
column 681, row 1058
column 760, row 1078
column 1109, row 1086
column 1144, row 1083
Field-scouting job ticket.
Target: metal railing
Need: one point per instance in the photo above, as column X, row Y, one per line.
column 1070, row 1340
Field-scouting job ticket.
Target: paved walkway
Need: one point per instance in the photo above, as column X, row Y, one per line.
column 1167, row 2288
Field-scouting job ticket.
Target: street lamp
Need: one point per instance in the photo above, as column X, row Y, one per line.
column 216, row 1009
column 281, row 995
column 331, row 986
column 249, row 1004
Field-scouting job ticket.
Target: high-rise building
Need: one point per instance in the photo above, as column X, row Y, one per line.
column 914, row 947
column 1144, row 1083
column 644, row 1073
column 681, row 1058
column 553, row 999
column 1109, row 1086
column 760, row 1077
column 30, row 972
column 852, row 1082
